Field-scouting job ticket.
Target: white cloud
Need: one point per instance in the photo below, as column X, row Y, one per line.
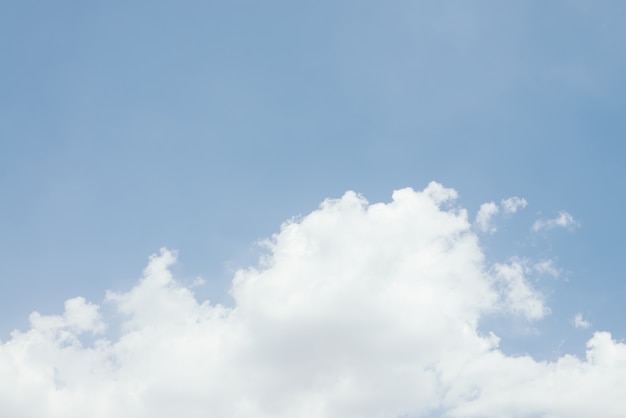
column 580, row 322
column 547, row 267
column 357, row 310
column 518, row 295
column 487, row 211
column 513, row 204
column 484, row 215
column 564, row 220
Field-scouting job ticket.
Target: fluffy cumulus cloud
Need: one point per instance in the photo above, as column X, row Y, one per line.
column 563, row 220
column 356, row 310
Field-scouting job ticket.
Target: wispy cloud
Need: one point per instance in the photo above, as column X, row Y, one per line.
column 487, row 211
column 484, row 215
column 513, row 204
column 547, row 267
column 517, row 293
column 357, row 310
column 563, row 220
column 579, row 322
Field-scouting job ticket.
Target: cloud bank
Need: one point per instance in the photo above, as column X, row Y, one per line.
column 356, row 310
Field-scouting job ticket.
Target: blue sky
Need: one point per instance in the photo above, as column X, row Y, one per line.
column 202, row 126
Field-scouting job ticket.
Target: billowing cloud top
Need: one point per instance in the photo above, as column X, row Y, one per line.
column 357, row 310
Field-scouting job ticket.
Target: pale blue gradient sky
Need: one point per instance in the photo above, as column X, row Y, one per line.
column 201, row 126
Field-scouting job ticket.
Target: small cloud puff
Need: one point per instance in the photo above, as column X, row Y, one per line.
column 484, row 215
column 579, row 322
column 563, row 220
column 513, row 204
column 518, row 295
column 487, row 211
